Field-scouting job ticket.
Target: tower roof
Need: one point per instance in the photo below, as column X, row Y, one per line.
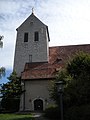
column 32, row 18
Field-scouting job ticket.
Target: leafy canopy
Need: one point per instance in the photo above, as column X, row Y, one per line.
column 1, row 43
column 77, row 77
column 2, row 69
column 11, row 92
column 2, row 72
column 12, row 89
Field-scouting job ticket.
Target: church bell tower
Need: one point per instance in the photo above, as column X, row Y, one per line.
column 31, row 43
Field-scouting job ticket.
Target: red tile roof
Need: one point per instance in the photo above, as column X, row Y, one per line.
column 58, row 57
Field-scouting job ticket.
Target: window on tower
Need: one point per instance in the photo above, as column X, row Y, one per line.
column 30, row 58
column 36, row 36
column 25, row 37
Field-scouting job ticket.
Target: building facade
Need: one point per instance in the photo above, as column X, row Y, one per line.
column 37, row 63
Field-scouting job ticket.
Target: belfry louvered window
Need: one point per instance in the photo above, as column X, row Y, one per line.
column 36, row 36
column 25, row 37
column 30, row 58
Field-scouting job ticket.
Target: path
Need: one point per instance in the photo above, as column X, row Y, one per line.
column 39, row 116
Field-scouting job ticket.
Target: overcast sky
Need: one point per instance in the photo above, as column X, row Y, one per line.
column 68, row 22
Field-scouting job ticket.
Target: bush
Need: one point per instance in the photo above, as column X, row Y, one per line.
column 72, row 113
column 52, row 112
column 78, row 113
column 10, row 105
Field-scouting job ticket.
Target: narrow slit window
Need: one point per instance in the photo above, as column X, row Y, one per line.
column 30, row 58
column 25, row 37
column 36, row 36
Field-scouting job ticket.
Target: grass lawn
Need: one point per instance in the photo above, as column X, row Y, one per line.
column 15, row 117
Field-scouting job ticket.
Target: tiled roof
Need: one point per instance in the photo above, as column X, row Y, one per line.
column 58, row 57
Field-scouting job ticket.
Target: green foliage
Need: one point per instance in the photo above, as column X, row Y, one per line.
column 76, row 93
column 79, row 65
column 72, row 113
column 78, row 90
column 12, row 88
column 2, row 69
column 78, row 113
column 10, row 104
column 52, row 112
column 77, row 77
column 11, row 92
column 1, row 43
column 2, row 72
column 53, row 88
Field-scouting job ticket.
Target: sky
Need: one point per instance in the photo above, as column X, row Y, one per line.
column 68, row 22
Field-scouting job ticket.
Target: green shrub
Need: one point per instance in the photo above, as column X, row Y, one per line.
column 52, row 112
column 10, row 105
column 72, row 113
column 78, row 113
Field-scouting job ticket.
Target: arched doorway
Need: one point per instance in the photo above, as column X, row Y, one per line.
column 38, row 105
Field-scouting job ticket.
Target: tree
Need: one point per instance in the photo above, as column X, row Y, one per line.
column 62, row 75
column 1, row 43
column 2, row 72
column 2, row 69
column 78, row 89
column 77, row 77
column 11, row 92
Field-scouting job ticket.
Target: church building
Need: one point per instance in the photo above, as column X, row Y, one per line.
column 37, row 63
